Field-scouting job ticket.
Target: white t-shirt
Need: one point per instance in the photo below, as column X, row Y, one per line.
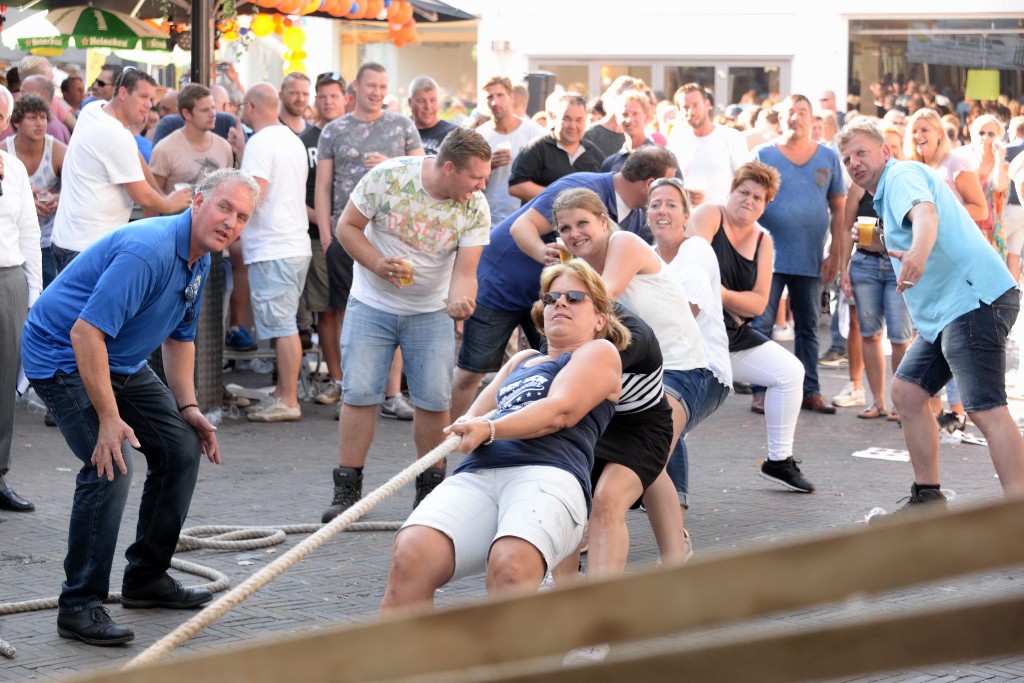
column 501, row 203
column 278, row 228
column 406, row 221
column 711, row 160
column 696, row 268
column 102, row 157
column 19, row 226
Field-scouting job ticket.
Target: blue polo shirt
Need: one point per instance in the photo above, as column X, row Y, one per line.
column 131, row 284
column 509, row 280
column 962, row 271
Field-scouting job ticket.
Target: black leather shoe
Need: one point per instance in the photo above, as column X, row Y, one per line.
column 9, row 500
column 93, row 627
column 164, row 592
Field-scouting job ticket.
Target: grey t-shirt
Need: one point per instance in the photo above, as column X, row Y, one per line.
column 346, row 140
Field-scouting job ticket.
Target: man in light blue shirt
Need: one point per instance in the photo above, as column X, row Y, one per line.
column 963, row 301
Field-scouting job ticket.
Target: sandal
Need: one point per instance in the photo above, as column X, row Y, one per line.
column 893, row 416
column 872, row 412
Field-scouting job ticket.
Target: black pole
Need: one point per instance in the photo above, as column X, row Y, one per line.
column 210, row 332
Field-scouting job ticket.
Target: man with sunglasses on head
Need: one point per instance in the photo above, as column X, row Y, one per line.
column 103, row 175
column 84, row 349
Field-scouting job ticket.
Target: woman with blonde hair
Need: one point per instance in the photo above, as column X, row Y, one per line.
column 926, row 141
column 517, row 504
column 987, row 152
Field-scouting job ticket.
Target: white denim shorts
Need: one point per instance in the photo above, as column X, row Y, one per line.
column 544, row 506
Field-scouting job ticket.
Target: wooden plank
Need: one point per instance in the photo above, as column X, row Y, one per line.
column 713, row 590
column 953, row 634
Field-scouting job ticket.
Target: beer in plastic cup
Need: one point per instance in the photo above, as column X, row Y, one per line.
column 866, row 230
column 406, row 281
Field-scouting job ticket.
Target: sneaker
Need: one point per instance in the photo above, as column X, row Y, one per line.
column 239, row 339
column 427, row 482
column 833, row 358
column 849, row 397
column 330, row 395
column 782, row 333
column 586, row 655
column 274, row 410
column 397, row 408
column 787, row 473
column 348, row 489
column 919, row 499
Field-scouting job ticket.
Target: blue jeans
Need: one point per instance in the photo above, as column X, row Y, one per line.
column 805, row 300
column 972, row 350
column 172, row 451
column 710, row 394
column 878, row 303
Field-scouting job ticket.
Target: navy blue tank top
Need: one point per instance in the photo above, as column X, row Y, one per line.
column 571, row 449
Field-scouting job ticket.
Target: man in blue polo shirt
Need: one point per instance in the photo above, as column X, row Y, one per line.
column 510, row 278
column 84, row 348
column 963, row 301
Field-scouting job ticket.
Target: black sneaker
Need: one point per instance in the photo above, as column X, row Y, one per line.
column 787, row 473
column 427, row 482
column 921, row 499
column 348, row 489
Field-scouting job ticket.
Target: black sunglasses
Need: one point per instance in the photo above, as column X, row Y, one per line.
column 190, row 293
column 102, row 84
column 573, row 296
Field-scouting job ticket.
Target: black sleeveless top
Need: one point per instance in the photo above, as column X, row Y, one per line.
column 739, row 274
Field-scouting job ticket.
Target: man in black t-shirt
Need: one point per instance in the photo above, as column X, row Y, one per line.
column 423, row 104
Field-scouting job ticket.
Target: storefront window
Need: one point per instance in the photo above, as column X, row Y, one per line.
column 752, row 84
column 573, row 78
column 937, row 56
column 676, row 76
column 609, row 72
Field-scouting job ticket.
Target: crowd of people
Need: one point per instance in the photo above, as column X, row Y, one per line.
column 647, row 252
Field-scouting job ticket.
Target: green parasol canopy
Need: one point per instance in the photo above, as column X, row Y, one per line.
column 93, row 27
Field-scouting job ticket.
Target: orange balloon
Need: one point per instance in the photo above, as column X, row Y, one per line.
column 269, row 4
column 393, row 10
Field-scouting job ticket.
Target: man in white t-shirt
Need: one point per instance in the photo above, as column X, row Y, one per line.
column 415, row 227
column 102, row 176
column 188, row 154
column 506, row 133
column 708, row 154
column 276, row 245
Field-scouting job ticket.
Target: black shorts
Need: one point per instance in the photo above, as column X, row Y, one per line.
column 339, row 276
column 637, row 441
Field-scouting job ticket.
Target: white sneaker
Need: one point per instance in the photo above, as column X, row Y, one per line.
column 586, row 655
column 849, row 397
column 397, row 408
column 330, row 395
column 274, row 410
column 782, row 333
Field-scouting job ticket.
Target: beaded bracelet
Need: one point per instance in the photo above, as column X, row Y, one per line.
column 490, row 423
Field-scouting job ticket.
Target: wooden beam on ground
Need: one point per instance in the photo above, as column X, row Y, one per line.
column 953, row 634
column 717, row 589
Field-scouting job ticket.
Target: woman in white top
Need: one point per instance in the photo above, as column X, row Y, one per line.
column 638, row 279
column 693, row 263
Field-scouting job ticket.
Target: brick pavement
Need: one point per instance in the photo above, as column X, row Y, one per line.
column 280, row 474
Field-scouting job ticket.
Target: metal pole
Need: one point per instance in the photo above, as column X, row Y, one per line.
column 210, row 333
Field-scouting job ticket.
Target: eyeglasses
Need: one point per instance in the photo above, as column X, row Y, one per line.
column 988, row 133
column 190, row 293
column 573, row 296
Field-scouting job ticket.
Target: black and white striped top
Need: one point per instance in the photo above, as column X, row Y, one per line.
column 642, row 387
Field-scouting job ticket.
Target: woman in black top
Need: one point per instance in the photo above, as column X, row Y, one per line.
column 745, row 254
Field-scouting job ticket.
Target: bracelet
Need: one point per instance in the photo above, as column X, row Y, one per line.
column 490, row 423
column 187, row 406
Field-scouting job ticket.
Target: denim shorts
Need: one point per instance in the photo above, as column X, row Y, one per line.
column 874, row 293
column 698, row 391
column 486, row 333
column 544, row 506
column 275, row 287
column 972, row 350
column 369, row 338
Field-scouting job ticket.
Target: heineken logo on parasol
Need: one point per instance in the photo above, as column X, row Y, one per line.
column 46, row 41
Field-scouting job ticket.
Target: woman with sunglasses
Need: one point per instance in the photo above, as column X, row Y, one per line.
column 640, row 281
column 987, row 153
column 517, row 504
column 745, row 256
column 694, row 264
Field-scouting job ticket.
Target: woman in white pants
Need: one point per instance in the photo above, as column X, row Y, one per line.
column 745, row 252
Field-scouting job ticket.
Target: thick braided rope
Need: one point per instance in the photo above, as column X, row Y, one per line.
column 207, row 616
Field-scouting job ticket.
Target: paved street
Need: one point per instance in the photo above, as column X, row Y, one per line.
column 281, row 474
